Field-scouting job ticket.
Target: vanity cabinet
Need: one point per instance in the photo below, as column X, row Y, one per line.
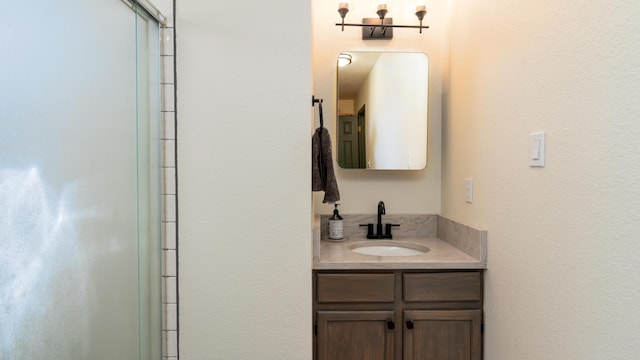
column 397, row 314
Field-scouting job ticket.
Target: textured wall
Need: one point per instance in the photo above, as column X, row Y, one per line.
column 563, row 242
column 244, row 110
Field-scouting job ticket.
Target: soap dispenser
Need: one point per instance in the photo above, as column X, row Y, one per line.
column 336, row 228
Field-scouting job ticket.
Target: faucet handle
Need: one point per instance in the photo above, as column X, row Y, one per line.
column 387, row 230
column 369, row 229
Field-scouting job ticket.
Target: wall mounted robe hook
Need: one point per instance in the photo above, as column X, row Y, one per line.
column 315, row 101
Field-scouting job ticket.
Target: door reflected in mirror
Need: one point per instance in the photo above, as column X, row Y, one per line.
column 382, row 111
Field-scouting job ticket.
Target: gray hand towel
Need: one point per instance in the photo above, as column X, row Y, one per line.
column 322, row 176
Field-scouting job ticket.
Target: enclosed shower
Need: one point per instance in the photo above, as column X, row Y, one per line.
column 79, row 180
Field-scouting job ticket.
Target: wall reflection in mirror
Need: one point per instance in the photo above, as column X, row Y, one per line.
column 382, row 110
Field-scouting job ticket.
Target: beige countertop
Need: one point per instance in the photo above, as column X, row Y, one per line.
column 452, row 245
column 338, row 255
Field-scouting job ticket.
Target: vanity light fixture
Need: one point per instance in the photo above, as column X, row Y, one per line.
column 344, row 59
column 381, row 27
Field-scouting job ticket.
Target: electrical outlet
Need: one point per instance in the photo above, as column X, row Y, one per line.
column 468, row 190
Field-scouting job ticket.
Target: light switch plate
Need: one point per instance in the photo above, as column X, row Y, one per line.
column 468, row 190
column 536, row 149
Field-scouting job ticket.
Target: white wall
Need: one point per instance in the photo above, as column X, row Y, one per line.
column 563, row 240
column 403, row 192
column 397, row 91
column 244, row 110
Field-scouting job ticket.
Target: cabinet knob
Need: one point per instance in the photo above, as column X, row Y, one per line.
column 409, row 324
column 390, row 325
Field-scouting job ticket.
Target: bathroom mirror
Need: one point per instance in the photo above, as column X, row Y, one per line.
column 382, row 110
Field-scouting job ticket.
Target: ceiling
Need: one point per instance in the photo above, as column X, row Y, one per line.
column 351, row 77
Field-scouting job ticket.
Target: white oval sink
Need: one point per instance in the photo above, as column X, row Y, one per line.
column 388, row 248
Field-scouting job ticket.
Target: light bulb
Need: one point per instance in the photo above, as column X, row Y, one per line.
column 344, row 59
column 381, row 7
column 421, row 11
column 377, row 5
column 343, row 9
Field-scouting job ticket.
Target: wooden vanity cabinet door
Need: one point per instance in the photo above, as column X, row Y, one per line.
column 442, row 335
column 355, row 335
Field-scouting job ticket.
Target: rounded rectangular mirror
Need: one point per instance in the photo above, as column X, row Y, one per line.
column 382, row 110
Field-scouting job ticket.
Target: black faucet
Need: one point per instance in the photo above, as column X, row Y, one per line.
column 381, row 211
column 379, row 234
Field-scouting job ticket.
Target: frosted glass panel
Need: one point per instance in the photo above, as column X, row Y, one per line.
column 78, row 183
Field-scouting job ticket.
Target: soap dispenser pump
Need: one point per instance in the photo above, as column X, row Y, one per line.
column 336, row 228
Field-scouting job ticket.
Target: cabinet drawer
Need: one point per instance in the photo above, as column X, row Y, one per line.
column 333, row 288
column 454, row 286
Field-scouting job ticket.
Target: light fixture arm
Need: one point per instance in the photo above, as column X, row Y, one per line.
column 385, row 26
column 382, row 26
column 421, row 11
column 343, row 12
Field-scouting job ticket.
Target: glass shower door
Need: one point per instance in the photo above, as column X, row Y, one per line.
column 79, row 181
